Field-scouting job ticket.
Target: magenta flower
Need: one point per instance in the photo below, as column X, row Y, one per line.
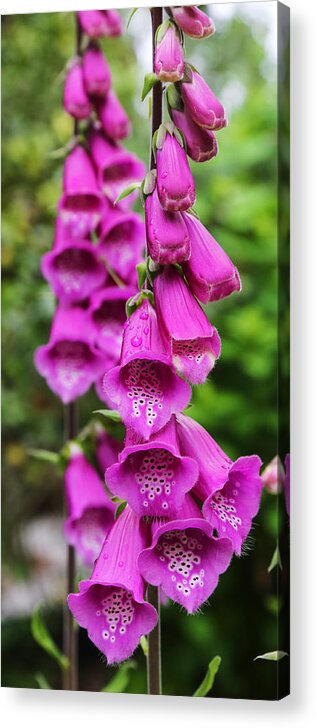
column 107, row 316
column 175, row 182
column 144, row 387
column 193, row 21
column 169, row 54
column 90, row 510
column 98, row 23
column 202, row 105
column 167, row 236
column 122, row 243
column 193, row 342
column 69, row 362
column 201, row 144
column 110, row 605
column 116, row 168
column 230, row 491
column 209, row 271
column 114, row 119
column 184, row 557
column 76, row 101
column 153, row 477
column 80, row 206
column 107, row 449
column 96, row 72
column 273, row 476
column 73, row 270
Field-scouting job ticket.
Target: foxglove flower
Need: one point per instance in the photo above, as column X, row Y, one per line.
column 175, row 182
column 96, row 72
column 193, row 342
column 273, row 476
column 110, row 605
column 144, row 387
column 114, row 119
column 153, row 477
column 76, row 101
column 202, row 105
column 193, row 21
column 73, row 270
column 90, row 510
column 107, row 448
column 166, row 232
column 107, row 316
column 70, row 362
column 122, row 242
column 201, row 144
column 209, row 271
column 80, row 206
column 169, row 54
column 230, row 491
column 184, row 557
column 98, row 23
column 116, row 167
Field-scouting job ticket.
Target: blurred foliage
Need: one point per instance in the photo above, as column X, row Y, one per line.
column 236, row 199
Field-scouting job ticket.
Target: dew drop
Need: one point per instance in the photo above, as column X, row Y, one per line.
column 136, row 341
column 144, row 315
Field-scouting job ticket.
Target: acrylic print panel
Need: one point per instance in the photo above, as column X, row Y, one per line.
column 149, row 305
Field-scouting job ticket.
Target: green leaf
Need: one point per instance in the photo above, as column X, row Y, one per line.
column 121, row 679
column 131, row 16
column 128, row 191
column 174, row 98
column 47, row 455
column 42, row 682
column 276, row 560
column 112, row 415
column 150, row 79
column 150, row 107
column 145, row 645
column 120, row 509
column 44, row 639
column 141, row 270
column 208, row 681
column 273, row 656
column 149, row 182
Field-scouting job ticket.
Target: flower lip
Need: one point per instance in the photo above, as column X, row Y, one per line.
column 73, row 270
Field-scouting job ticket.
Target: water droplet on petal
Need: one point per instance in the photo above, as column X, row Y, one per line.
column 146, row 330
column 136, row 341
column 120, row 563
column 144, row 315
column 106, row 556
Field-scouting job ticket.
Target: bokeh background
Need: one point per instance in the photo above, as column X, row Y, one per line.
column 237, row 201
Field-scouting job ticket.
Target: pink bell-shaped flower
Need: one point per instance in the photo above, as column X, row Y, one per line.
column 107, row 316
column 76, row 101
column 169, row 54
column 98, row 23
column 96, row 72
column 273, row 476
column 167, row 235
column 144, row 387
column 194, row 344
column 201, row 144
column 107, row 448
column 122, row 242
column 184, row 558
column 193, row 21
column 90, row 510
column 202, row 105
column 210, row 273
column 230, row 491
column 116, row 168
column 80, row 206
column 70, row 362
column 153, row 477
column 175, row 182
column 111, row 605
column 114, row 119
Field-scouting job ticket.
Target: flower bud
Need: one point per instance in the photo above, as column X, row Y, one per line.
column 81, row 203
column 98, row 23
column 114, row 120
column 96, row 72
column 175, row 182
column 202, row 105
column 167, row 236
column 76, row 101
column 201, row 144
column 169, row 55
column 116, row 167
column 273, row 476
column 193, row 21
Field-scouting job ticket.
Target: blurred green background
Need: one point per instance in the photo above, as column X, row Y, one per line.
column 236, row 199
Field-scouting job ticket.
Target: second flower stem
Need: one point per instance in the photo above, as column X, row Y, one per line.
column 154, row 680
